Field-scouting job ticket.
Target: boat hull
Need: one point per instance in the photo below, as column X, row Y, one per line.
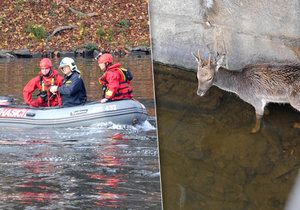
column 127, row 112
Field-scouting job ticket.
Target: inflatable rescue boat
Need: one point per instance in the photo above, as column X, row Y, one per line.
column 129, row 112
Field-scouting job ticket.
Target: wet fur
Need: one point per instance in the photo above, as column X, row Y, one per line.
column 271, row 83
column 256, row 84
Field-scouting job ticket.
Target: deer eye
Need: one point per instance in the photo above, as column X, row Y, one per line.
column 210, row 78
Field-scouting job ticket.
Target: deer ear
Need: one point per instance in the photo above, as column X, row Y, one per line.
column 221, row 60
column 196, row 57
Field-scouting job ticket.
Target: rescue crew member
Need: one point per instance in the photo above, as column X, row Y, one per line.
column 115, row 84
column 46, row 78
column 72, row 91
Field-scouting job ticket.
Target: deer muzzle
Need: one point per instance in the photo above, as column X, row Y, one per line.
column 201, row 92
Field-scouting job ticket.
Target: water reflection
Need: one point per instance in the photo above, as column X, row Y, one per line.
column 106, row 180
column 90, row 169
column 209, row 159
column 32, row 187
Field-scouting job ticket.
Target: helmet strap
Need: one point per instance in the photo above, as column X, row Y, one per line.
column 49, row 73
column 107, row 64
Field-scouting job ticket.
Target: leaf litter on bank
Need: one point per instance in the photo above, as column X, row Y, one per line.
column 89, row 16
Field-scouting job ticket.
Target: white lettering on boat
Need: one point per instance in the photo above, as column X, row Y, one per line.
column 105, row 108
column 13, row 112
column 112, row 107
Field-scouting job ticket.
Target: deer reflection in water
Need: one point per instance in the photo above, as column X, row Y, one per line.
column 257, row 84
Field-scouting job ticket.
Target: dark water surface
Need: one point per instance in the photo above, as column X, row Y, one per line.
column 209, row 159
column 103, row 166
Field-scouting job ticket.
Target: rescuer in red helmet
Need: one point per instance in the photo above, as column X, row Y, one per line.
column 115, row 81
column 46, row 78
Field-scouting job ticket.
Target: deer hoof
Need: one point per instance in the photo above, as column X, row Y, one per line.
column 296, row 125
column 255, row 130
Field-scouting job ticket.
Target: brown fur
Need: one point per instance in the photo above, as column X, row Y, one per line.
column 256, row 84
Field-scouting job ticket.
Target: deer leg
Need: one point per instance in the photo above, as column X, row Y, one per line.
column 294, row 101
column 259, row 112
column 256, row 127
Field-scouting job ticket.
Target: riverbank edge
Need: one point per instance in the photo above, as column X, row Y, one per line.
column 174, row 66
column 25, row 53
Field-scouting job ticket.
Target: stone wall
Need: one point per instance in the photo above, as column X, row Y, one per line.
column 247, row 31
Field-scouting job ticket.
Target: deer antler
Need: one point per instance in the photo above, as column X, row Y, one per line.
column 197, row 57
column 200, row 60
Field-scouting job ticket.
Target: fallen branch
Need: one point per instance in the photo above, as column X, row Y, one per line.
column 59, row 29
column 64, row 3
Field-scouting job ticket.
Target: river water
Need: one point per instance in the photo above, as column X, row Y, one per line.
column 103, row 166
column 209, row 159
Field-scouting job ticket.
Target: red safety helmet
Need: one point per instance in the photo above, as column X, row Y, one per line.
column 45, row 63
column 105, row 58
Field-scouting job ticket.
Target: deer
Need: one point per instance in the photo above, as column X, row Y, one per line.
column 256, row 84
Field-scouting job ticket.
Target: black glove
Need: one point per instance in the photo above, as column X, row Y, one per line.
column 43, row 95
column 104, row 89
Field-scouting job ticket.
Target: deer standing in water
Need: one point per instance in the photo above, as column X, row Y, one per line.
column 256, row 84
